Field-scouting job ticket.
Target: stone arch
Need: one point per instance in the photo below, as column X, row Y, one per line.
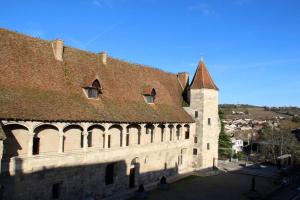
column 178, row 131
column 134, row 131
column 134, row 172
column 115, row 136
column 16, row 142
column 161, row 132
column 73, row 137
column 171, row 132
column 96, row 137
column 149, row 137
column 48, row 138
column 186, row 131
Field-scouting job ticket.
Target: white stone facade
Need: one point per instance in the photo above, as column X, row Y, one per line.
column 152, row 150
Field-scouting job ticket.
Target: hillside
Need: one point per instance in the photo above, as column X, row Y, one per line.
column 243, row 121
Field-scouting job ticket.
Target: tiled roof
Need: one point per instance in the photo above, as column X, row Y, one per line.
column 202, row 78
column 35, row 86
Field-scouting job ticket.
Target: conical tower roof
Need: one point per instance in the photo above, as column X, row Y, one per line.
column 202, row 78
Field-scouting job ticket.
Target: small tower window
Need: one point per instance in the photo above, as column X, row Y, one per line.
column 209, row 121
column 94, row 90
column 196, row 114
column 195, row 151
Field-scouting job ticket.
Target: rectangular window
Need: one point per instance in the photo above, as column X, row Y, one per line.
column 36, row 146
column 93, row 93
column 207, row 146
column 127, row 139
column 195, row 140
column 196, row 114
column 195, row 152
column 108, row 141
column 149, row 99
column 187, row 134
column 55, row 191
column 209, row 121
column 162, row 135
column 109, row 174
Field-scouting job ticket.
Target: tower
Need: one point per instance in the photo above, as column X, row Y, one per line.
column 203, row 107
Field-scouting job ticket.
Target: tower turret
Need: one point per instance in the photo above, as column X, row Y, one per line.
column 203, row 107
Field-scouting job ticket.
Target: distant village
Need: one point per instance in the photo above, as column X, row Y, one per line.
column 243, row 130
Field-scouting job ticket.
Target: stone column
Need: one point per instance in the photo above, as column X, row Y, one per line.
column 123, row 135
column 61, row 140
column 85, row 135
column 143, row 134
column 30, row 142
column 155, row 133
column 1, row 154
column 165, row 133
column 106, row 132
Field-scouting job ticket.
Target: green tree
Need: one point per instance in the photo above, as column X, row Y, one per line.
column 225, row 144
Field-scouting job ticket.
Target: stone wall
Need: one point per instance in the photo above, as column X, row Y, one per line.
column 82, row 169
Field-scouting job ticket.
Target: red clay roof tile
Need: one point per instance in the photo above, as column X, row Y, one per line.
column 33, row 85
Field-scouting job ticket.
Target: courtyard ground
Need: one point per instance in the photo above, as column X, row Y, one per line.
column 224, row 186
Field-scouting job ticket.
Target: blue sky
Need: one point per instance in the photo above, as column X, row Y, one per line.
column 251, row 47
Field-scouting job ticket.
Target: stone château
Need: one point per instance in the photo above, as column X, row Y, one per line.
column 75, row 122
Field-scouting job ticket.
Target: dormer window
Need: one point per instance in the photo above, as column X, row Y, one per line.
column 94, row 90
column 149, row 98
column 149, row 94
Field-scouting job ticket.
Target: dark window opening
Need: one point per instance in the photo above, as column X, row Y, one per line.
column 171, row 133
column 207, row 146
column 196, row 114
column 89, row 139
column 36, row 146
column 55, row 191
column 108, row 141
column 127, row 139
column 195, row 140
column 195, row 151
column 81, row 140
column 94, row 91
column 103, row 136
column 209, row 121
column 162, row 135
column 109, row 174
column 132, row 178
column 187, row 134
column 152, row 136
column 139, row 138
column 178, row 132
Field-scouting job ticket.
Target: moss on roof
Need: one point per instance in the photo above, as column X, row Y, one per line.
column 33, row 85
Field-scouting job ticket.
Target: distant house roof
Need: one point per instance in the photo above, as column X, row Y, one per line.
column 35, row 86
column 202, row 78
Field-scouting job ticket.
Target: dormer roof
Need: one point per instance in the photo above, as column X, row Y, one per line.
column 202, row 78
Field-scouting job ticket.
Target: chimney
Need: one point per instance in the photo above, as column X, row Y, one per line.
column 103, row 57
column 58, row 49
column 183, row 78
